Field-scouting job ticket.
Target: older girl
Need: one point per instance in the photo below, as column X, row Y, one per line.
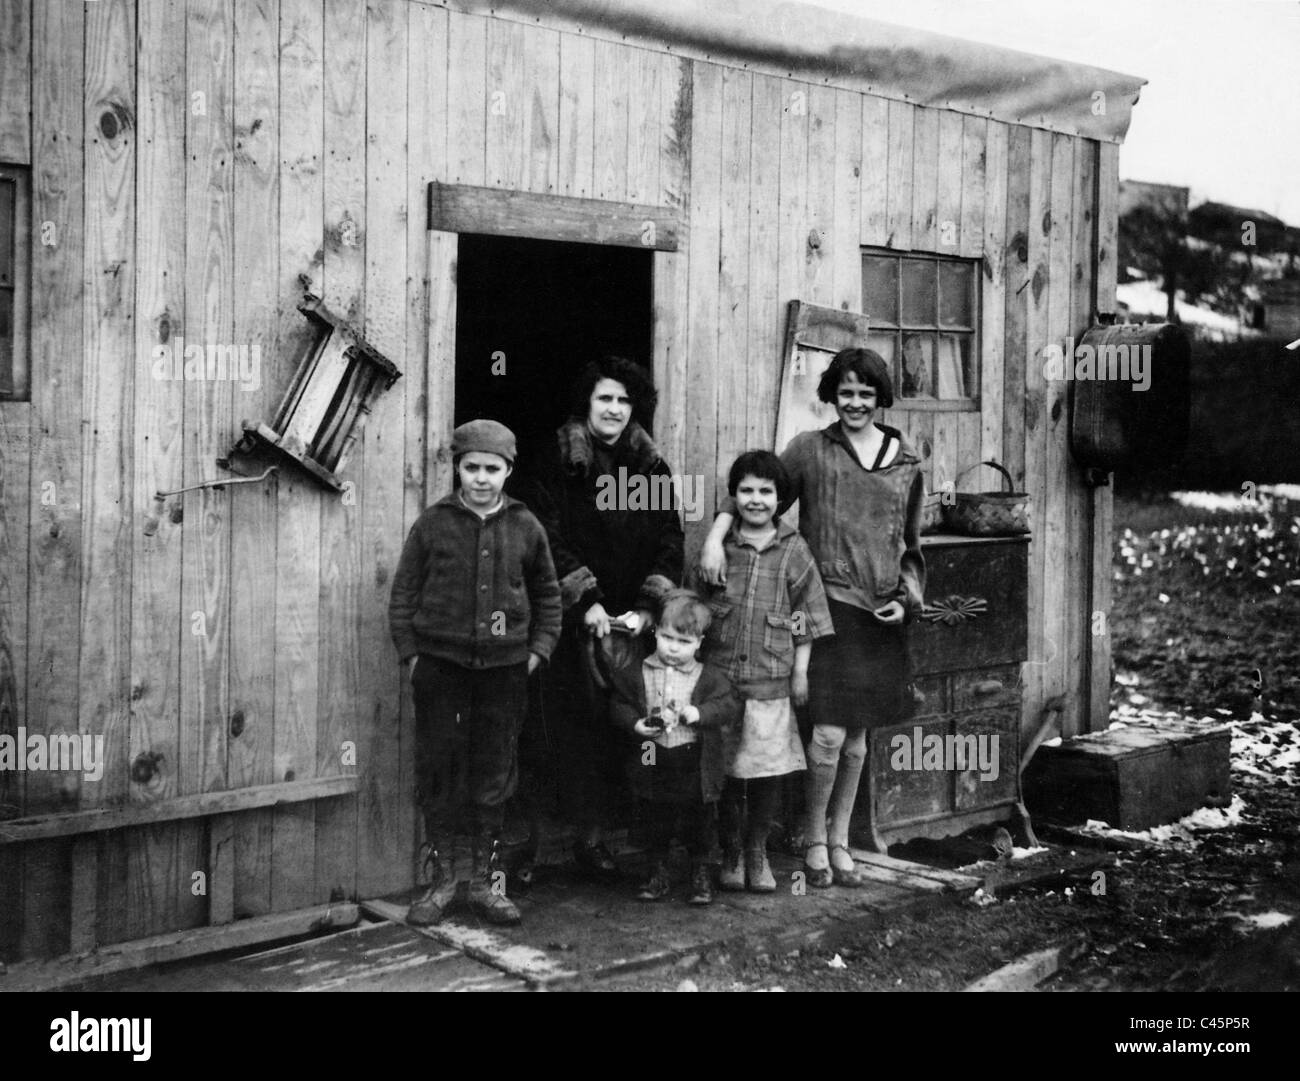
column 860, row 489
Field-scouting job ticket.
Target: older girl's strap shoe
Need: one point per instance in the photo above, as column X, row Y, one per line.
column 820, row 877
column 850, row 877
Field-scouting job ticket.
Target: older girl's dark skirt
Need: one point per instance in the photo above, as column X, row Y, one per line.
column 857, row 678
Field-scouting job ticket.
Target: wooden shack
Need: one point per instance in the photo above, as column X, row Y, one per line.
column 483, row 190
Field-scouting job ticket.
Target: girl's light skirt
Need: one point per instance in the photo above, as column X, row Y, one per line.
column 766, row 743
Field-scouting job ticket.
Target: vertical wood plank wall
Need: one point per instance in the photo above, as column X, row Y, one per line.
column 254, row 149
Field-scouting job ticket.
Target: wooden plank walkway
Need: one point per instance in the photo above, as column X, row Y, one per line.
column 572, row 931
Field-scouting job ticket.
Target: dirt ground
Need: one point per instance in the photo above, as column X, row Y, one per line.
column 1206, row 626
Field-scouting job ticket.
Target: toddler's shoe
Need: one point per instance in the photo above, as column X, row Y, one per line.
column 596, row 860
column 657, row 887
column 489, row 903
column 759, row 872
column 701, row 886
column 732, row 875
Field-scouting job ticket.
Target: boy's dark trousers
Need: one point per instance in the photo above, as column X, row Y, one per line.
column 467, row 725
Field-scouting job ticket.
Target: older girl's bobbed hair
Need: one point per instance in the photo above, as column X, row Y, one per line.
column 867, row 365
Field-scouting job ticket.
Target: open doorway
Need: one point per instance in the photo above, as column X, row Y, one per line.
column 531, row 313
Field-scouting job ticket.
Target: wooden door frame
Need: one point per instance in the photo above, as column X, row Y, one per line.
column 461, row 208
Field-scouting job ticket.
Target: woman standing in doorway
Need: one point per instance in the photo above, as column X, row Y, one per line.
column 615, row 556
column 860, row 490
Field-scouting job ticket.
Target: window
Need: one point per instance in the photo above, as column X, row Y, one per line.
column 13, row 283
column 923, row 317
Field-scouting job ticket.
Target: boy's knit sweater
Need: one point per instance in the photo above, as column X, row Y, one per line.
column 479, row 592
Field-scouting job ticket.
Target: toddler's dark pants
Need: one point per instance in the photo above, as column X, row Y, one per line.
column 687, row 821
column 670, row 802
column 467, row 723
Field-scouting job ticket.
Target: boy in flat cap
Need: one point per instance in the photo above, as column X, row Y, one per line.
column 475, row 608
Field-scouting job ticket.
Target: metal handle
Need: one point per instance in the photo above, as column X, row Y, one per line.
column 1009, row 484
column 224, row 482
column 987, row 686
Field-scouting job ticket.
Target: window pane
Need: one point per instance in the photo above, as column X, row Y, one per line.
column 954, row 294
column 954, row 366
column 918, row 366
column 880, row 290
column 887, row 346
column 919, row 302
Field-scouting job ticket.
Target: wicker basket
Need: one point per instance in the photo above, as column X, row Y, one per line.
column 988, row 514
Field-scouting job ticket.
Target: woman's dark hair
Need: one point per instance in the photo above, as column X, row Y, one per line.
column 762, row 464
column 867, row 365
column 630, row 374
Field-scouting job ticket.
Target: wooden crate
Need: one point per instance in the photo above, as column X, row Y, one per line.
column 1132, row 778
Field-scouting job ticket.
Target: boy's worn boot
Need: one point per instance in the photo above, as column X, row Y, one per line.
column 438, row 896
column 487, row 888
column 758, row 871
column 701, row 884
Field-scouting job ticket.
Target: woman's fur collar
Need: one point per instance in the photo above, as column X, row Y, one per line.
column 576, row 453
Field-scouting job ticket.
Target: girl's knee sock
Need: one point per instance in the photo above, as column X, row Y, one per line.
column 731, row 813
column 764, row 798
column 819, row 781
column 852, row 758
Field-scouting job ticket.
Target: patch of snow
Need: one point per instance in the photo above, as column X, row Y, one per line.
column 1182, row 832
column 1261, row 921
column 1025, row 853
column 1267, row 749
column 1215, row 501
column 1148, row 298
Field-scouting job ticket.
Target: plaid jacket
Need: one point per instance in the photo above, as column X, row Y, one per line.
column 773, row 601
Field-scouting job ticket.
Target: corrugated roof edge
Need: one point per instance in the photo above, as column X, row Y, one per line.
column 862, row 54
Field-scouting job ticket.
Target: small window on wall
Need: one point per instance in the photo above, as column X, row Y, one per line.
column 14, row 268
column 922, row 311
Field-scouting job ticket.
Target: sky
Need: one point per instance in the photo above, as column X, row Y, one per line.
column 1221, row 109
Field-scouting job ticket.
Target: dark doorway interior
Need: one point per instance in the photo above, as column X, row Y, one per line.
column 542, row 309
